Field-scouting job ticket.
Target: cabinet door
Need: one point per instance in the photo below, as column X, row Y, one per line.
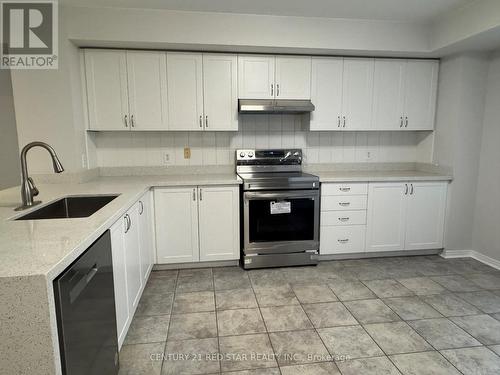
column 256, row 77
column 357, row 93
column 133, row 258
column 220, row 92
column 219, row 239
column 421, row 92
column 176, row 212
column 425, row 215
column 293, row 77
column 326, row 93
column 388, row 94
column 386, row 217
column 107, row 94
column 185, row 91
column 120, row 280
column 147, row 85
column 146, row 235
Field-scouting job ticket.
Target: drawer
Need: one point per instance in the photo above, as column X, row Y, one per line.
column 355, row 188
column 342, row 240
column 333, row 218
column 340, row 202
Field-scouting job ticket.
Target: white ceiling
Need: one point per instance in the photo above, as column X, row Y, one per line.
column 392, row 10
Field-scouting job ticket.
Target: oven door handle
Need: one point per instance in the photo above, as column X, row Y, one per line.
column 281, row 195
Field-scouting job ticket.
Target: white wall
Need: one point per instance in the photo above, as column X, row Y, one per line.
column 9, row 151
column 457, row 140
column 49, row 108
column 219, row 31
column 256, row 131
column 486, row 238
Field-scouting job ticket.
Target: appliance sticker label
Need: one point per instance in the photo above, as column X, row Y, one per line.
column 281, row 207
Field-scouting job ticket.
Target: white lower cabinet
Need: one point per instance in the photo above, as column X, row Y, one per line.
column 131, row 241
column 406, row 216
column 197, row 223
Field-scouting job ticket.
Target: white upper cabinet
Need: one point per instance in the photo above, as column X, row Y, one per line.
column 357, row 94
column 425, row 215
column 220, row 96
column 386, row 221
column 185, row 91
column 256, row 77
column 326, row 93
column 219, row 239
column 388, row 94
column 293, row 77
column 107, row 93
column 420, row 94
column 176, row 212
column 147, row 88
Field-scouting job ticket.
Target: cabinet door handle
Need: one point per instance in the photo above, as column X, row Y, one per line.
column 401, row 123
column 141, row 211
column 344, row 189
column 278, row 89
column 344, row 219
column 206, row 121
column 201, row 196
column 194, row 195
column 344, row 240
column 344, row 120
column 132, row 121
column 201, row 121
column 126, row 121
column 272, row 90
column 411, row 191
column 127, row 222
column 406, row 121
column 338, row 121
column 406, row 189
column 344, row 204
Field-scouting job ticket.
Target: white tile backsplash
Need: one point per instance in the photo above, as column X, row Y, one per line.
column 118, row 149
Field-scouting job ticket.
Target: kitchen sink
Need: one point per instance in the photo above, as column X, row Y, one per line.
column 70, row 207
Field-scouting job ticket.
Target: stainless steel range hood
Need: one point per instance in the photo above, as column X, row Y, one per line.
column 274, row 106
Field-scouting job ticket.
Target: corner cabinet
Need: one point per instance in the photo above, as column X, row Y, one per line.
column 132, row 248
column 274, row 77
column 197, row 224
column 406, row 216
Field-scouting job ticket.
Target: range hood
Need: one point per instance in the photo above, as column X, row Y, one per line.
column 274, row 106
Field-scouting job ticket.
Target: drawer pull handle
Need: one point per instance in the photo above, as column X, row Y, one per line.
column 345, row 240
column 345, row 189
column 343, row 218
column 344, row 204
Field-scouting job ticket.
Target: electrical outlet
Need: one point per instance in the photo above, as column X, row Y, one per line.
column 369, row 155
column 187, row 153
column 166, row 158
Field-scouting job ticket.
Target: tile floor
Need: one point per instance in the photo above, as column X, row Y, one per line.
column 414, row 315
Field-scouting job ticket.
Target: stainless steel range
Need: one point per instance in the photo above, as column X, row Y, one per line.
column 280, row 209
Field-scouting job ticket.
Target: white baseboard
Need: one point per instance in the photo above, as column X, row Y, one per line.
column 448, row 254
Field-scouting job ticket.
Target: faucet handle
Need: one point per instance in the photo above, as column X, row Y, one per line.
column 32, row 186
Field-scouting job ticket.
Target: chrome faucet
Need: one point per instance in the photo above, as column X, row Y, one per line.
column 28, row 188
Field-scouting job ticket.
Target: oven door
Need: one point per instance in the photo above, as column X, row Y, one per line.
column 277, row 222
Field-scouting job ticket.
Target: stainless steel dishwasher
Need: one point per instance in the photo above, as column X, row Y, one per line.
column 85, row 308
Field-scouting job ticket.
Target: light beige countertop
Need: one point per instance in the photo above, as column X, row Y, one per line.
column 380, row 176
column 47, row 247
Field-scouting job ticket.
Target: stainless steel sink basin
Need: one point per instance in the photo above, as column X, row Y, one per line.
column 70, row 207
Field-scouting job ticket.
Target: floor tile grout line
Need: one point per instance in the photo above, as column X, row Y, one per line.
column 216, row 321
column 265, row 326
column 169, row 321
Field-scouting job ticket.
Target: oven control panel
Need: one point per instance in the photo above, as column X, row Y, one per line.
column 273, row 157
